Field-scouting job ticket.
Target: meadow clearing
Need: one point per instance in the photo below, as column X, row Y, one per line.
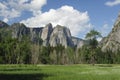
column 60, row 72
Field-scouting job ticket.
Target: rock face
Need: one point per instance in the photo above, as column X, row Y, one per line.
column 112, row 41
column 77, row 42
column 35, row 34
column 19, row 30
column 82, row 43
column 61, row 35
column 46, row 32
column 49, row 35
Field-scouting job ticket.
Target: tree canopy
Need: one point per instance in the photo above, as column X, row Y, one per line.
column 93, row 34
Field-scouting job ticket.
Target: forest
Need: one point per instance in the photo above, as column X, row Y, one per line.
column 15, row 51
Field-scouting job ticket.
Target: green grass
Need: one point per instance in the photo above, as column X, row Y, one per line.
column 60, row 72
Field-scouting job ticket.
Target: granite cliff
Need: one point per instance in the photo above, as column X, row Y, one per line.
column 112, row 41
column 49, row 35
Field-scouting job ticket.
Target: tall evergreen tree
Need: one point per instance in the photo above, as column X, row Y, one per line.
column 92, row 39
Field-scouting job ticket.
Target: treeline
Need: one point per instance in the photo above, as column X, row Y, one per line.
column 13, row 51
column 23, row 51
column 86, row 55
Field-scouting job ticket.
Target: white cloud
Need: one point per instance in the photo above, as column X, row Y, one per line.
column 37, row 4
column 2, row 6
column 14, row 8
column 66, row 15
column 5, row 20
column 112, row 3
column 78, row 22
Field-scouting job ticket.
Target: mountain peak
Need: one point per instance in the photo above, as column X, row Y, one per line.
column 61, row 35
column 3, row 24
column 49, row 35
column 49, row 24
column 46, row 32
column 59, row 26
column 112, row 41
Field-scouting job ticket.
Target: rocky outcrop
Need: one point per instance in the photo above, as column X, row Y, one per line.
column 61, row 35
column 47, row 35
column 35, row 34
column 46, row 32
column 3, row 24
column 76, row 41
column 19, row 30
column 82, row 43
column 112, row 41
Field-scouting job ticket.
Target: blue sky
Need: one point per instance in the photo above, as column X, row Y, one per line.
column 79, row 16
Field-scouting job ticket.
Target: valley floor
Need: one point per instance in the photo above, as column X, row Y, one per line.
column 60, row 72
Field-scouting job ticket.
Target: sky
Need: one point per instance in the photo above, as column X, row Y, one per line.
column 80, row 16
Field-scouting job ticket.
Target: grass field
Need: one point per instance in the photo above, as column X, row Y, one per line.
column 60, row 72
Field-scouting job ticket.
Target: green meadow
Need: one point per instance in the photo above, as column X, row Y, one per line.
column 60, row 72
